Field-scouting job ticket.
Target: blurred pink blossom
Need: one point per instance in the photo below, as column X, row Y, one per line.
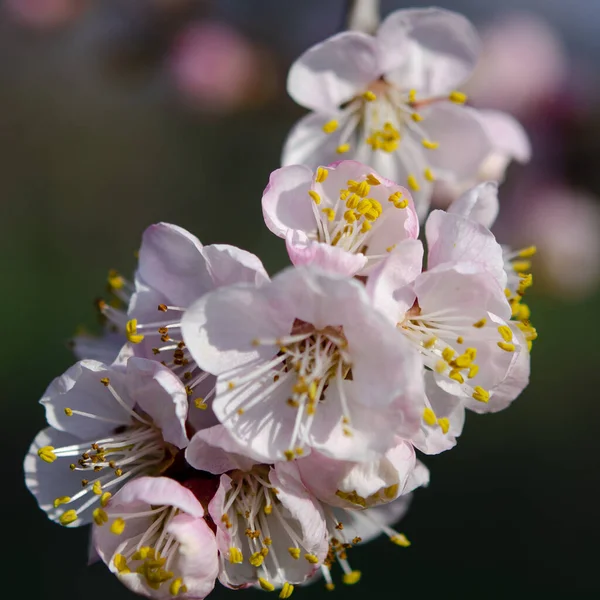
column 43, row 14
column 214, row 67
column 565, row 226
column 522, row 65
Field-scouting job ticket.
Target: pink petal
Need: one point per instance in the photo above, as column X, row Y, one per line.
column 480, row 204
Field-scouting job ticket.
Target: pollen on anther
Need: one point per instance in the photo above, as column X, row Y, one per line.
column 413, row 184
column 343, row 148
column 316, row 198
column 321, row 175
column 330, row 126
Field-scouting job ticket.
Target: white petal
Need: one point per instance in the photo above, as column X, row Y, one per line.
column 286, row 204
column 439, row 50
column 463, row 141
column 480, row 203
column 160, row 394
column 334, row 71
column 452, row 238
column 80, row 389
column 229, row 264
column 507, row 135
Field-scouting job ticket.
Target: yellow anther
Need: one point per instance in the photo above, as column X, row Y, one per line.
column 289, row 454
column 456, row 375
column 61, row 500
column 376, row 205
column 120, row 563
column 268, row 509
column 366, row 226
column 444, row 423
column 429, row 416
column 412, row 96
column 400, row 540
column 457, row 97
column 344, row 194
column 441, row 366
column 329, row 587
column 266, row 585
column 480, row 394
column 460, row 339
column 343, row 148
column 528, row 252
column 286, row 590
column 505, row 332
column 413, row 184
column 97, row 488
column 199, row 403
column 429, row 144
column 521, row 266
column 349, row 216
column 131, row 331
column 321, row 175
column 316, row 198
column 100, row 516
column 312, row 391
column 507, row 346
column 312, row 558
column 115, row 281
column 395, row 197
column 68, row 517
column 329, row 213
column 69, row 412
column 46, row 453
column 416, row 117
column 372, row 180
column 401, row 204
column 463, row 361
column 176, row 586
column 473, row 370
column 390, row 248
column 362, row 188
column 118, row 526
column 351, row 578
column 448, row 354
column 389, row 492
column 481, row 323
column 428, row 174
column 256, row 559
column 105, row 498
column 369, row 96
column 294, row 552
column 235, row 556
column 471, row 353
column 231, row 385
column 352, row 201
column 105, row 381
column 143, row 553
column 330, row 126
column 430, row 343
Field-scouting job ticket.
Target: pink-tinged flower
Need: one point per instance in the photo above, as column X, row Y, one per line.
column 523, row 65
column 480, row 204
column 361, row 485
column 456, row 313
column 271, row 531
column 344, row 218
column 108, row 425
column 155, row 539
column 390, row 101
column 216, row 69
column 174, row 270
column 305, row 362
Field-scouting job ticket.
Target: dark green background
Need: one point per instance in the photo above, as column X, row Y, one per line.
column 88, row 158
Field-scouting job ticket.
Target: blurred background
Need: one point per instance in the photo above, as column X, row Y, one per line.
column 115, row 114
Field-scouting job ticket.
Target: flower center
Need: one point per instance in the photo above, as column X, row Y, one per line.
column 251, row 513
column 151, row 554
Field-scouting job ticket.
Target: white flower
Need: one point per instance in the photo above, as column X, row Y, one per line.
column 156, row 541
column 390, row 101
column 108, row 425
column 305, row 362
column 343, row 218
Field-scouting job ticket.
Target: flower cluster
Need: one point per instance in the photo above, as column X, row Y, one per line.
column 249, row 429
